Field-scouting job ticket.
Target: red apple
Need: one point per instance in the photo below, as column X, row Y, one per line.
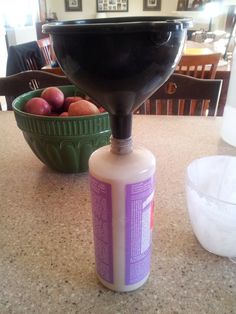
column 82, row 108
column 54, row 96
column 70, row 100
column 101, row 109
column 64, row 114
column 37, row 106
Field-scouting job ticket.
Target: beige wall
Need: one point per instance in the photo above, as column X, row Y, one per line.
column 135, row 8
column 89, row 9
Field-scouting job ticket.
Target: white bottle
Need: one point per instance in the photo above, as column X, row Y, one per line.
column 228, row 129
column 122, row 190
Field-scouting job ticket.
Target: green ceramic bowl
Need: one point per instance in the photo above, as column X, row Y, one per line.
column 62, row 143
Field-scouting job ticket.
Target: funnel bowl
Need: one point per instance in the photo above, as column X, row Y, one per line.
column 119, row 62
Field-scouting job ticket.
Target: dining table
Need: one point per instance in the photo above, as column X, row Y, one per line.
column 47, row 262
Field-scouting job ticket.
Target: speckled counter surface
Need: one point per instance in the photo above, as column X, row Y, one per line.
column 46, row 244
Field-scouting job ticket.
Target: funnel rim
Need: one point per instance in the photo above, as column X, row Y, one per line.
column 167, row 23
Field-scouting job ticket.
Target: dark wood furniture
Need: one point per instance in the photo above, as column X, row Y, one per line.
column 42, row 17
column 184, row 95
column 197, row 65
column 15, row 85
column 46, row 50
column 55, row 70
column 217, row 72
column 223, row 75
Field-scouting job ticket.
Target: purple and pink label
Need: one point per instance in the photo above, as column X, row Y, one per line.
column 138, row 231
column 139, row 225
column 102, row 228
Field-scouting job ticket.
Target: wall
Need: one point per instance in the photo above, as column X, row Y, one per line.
column 89, row 9
column 135, row 8
column 20, row 35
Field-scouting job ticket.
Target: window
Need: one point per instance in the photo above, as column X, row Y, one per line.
column 15, row 13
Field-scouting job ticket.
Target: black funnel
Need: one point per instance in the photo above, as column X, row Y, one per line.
column 119, row 62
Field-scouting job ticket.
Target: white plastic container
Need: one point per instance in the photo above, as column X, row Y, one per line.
column 211, row 200
column 122, row 189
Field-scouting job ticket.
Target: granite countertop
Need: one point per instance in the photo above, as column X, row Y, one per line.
column 46, row 244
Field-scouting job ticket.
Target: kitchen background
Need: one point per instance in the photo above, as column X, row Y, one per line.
column 18, row 18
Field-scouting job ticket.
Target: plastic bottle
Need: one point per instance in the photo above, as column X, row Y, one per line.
column 122, row 189
column 228, row 129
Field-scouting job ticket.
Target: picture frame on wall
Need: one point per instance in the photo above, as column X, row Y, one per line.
column 112, row 5
column 73, row 5
column 151, row 5
column 191, row 5
column 196, row 5
column 182, row 5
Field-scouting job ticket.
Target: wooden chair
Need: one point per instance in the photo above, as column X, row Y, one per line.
column 24, row 57
column 17, row 84
column 200, row 66
column 46, row 50
column 184, row 95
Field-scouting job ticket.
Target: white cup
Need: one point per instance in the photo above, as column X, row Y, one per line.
column 211, row 201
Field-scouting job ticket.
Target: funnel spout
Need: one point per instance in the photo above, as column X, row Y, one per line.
column 121, row 125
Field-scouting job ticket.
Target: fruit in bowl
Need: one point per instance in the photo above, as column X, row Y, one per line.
column 54, row 96
column 62, row 141
column 53, row 101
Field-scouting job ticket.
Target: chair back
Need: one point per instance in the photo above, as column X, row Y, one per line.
column 200, row 66
column 24, row 57
column 46, row 50
column 23, row 82
column 184, row 95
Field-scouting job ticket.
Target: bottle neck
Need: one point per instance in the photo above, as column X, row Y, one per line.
column 121, row 146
